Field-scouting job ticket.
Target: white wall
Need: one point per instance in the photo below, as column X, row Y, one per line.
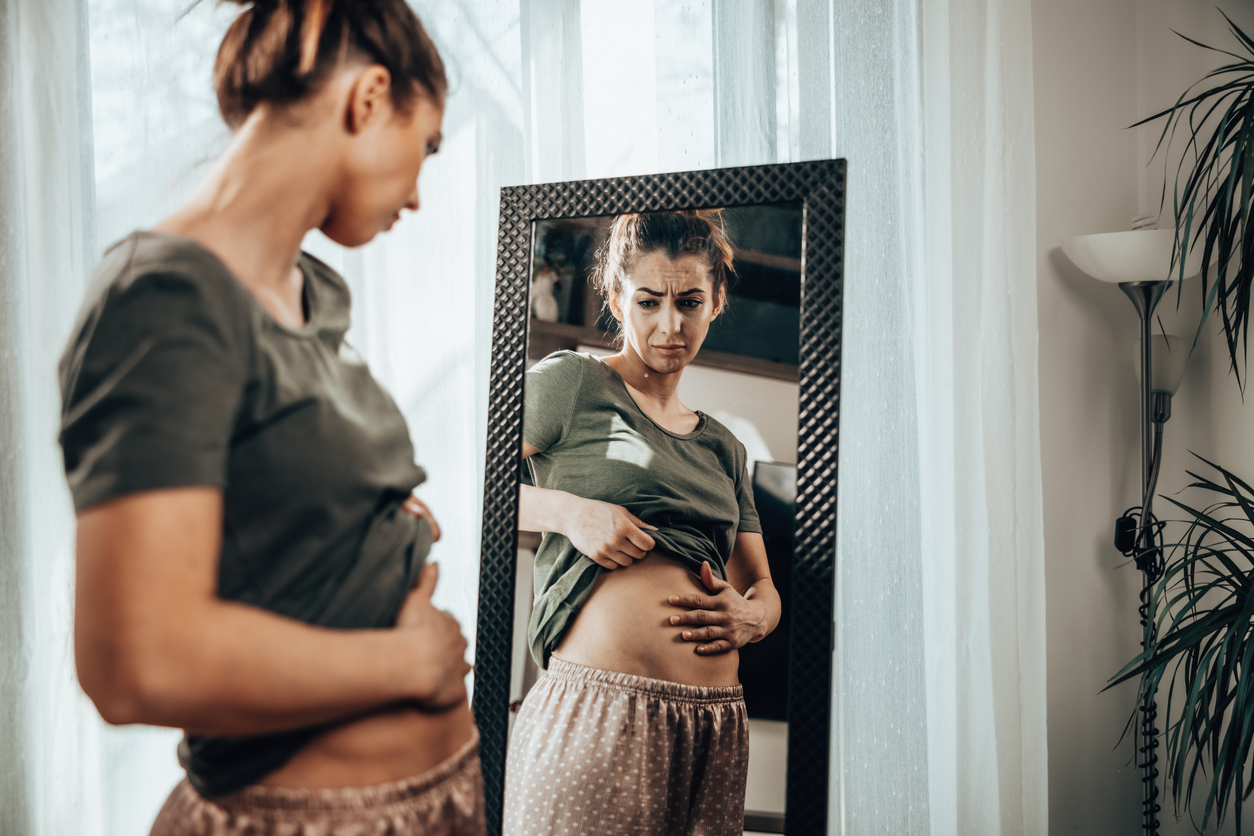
column 769, row 405
column 1098, row 68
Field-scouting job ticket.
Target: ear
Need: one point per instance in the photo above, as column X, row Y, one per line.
column 720, row 303
column 616, row 305
column 369, row 99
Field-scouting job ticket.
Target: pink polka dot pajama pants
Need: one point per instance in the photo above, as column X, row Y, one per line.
column 611, row 754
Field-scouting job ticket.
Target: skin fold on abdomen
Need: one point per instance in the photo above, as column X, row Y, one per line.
column 624, row 626
column 381, row 747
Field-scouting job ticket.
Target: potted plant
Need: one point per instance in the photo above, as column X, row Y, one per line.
column 1214, row 187
column 1201, row 645
column 1204, row 647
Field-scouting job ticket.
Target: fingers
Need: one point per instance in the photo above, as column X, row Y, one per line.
column 703, row 634
column 416, row 507
column 427, row 579
column 613, row 561
column 707, row 577
column 699, row 617
column 695, row 602
column 639, row 523
column 613, row 558
column 638, row 538
column 715, row 647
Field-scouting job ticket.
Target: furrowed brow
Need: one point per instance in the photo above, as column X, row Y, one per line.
column 659, row 293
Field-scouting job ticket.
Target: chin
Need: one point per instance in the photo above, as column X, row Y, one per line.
column 347, row 236
column 668, row 365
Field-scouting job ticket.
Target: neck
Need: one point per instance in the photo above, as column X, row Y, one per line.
column 660, row 388
column 234, row 211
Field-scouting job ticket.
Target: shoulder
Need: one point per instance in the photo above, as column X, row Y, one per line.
column 717, row 435
column 169, row 278
column 565, row 367
column 149, row 289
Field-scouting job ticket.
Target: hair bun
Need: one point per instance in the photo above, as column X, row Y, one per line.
column 281, row 51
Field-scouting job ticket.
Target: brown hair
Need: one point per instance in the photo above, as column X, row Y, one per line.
column 698, row 232
column 282, row 51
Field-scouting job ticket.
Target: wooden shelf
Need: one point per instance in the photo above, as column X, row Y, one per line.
column 546, row 337
column 779, row 262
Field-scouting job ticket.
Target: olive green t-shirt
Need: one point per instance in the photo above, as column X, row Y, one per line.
column 176, row 376
column 594, row 442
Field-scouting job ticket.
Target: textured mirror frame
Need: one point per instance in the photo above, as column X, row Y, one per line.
column 820, row 187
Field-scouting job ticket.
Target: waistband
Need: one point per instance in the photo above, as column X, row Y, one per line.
column 260, row 799
column 563, row 671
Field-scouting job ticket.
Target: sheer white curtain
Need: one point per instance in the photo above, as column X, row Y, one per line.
column 45, row 185
column 975, row 339
column 939, row 715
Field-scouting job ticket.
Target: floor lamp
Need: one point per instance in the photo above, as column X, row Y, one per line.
column 1140, row 263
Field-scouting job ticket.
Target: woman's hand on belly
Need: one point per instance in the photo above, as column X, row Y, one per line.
column 722, row 621
column 415, row 507
column 402, row 739
column 443, row 646
column 624, row 626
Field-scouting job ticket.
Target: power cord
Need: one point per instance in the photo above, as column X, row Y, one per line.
column 1131, row 530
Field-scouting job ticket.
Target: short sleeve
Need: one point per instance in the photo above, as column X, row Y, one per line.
column 550, row 393
column 151, row 384
column 744, row 497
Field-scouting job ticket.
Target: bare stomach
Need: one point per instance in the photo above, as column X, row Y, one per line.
column 624, row 626
column 377, row 748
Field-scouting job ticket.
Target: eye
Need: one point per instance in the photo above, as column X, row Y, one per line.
column 691, row 304
column 647, row 303
column 433, row 148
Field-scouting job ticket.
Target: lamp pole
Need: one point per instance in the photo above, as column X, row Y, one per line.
column 1145, row 297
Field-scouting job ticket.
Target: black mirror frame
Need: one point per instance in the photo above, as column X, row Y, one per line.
column 820, row 187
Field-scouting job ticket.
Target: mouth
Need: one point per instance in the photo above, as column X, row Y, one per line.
column 671, row 349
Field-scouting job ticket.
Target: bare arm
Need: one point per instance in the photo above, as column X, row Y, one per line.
column 728, row 618
column 154, row 644
column 610, row 535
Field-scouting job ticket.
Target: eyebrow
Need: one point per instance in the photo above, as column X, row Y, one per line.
column 653, row 292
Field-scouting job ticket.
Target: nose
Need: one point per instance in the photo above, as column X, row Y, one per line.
column 672, row 319
column 411, row 202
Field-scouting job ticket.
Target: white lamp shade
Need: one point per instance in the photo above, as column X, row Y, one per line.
column 1168, row 356
column 1142, row 255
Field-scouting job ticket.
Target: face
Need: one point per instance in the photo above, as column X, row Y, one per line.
column 666, row 307
column 383, row 159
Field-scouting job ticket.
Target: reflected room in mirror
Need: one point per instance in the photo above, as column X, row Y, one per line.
column 644, row 627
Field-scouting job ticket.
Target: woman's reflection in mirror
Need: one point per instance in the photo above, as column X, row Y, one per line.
column 651, row 573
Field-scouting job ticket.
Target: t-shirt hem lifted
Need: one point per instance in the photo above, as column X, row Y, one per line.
column 595, row 442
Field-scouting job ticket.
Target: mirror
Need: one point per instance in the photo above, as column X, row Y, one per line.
column 770, row 357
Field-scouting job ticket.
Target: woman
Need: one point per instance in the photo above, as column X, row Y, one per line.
column 250, row 557
column 652, row 572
